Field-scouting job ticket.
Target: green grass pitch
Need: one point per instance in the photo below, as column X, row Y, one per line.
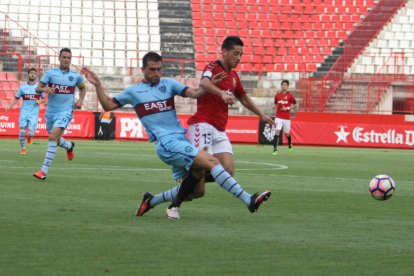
column 320, row 220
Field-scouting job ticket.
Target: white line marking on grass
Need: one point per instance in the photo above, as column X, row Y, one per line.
column 120, row 168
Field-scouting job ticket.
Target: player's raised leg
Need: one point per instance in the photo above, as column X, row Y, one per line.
column 227, row 182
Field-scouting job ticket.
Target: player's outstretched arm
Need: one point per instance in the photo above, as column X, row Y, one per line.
column 247, row 102
column 105, row 101
column 11, row 104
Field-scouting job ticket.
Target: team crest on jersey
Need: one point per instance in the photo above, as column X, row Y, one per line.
column 70, row 78
column 234, row 82
column 162, row 89
column 188, row 149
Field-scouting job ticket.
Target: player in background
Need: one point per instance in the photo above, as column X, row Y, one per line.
column 60, row 83
column 284, row 103
column 208, row 125
column 153, row 101
column 29, row 111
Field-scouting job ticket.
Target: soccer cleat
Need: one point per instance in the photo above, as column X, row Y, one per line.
column 274, row 152
column 257, row 200
column 40, row 175
column 23, row 151
column 29, row 140
column 145, row 204
column 173, row 213
column 69, row 152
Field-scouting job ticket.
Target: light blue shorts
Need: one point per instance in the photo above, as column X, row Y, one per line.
column 177, row 151
column 60, row 120
column 28, row 120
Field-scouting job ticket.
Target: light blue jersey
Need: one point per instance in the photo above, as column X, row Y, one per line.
column 154, row 105
column 60, row 105
column 29, row 112
column 64, row 83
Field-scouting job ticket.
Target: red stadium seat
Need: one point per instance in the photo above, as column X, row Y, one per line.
column 267, row 59
column 268, row 43
column 262, row 17
column 291, row 68
column 309, row 34
column 257, row 67
column 257, row 43
column 264, row 9
column 280, row 68
column 270, row 67
column 259, row 51
column 281, row 51
column 270, row 51
column 247, row 67
column 299, row 34
column 308, row 9
column 255, row 33
column 256, row 59
column 247, row 50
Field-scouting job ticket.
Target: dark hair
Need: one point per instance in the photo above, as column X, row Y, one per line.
column 30, row 70
column 231, row 41
column 150, row 56
column 64, row 50
column 284, row 81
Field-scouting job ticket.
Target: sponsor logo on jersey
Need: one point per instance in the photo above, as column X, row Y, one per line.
column 28, row 97
column 62, row 89
column 149, row 108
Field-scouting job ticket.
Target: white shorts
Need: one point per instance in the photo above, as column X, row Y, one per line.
column 283, row 123
column 206, row 136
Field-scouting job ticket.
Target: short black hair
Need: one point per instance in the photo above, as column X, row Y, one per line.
column 231, row 41
column 150, row 56
column 30, row 70
column 64, row 50
column 284, row 81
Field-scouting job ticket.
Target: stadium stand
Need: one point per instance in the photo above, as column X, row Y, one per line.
column 293, row 39
column 313, row 28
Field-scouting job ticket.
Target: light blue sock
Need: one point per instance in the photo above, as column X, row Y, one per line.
column 30, row 133
column 227, row 182
column 169, row 196
column 64, row 144
column 22, row 139
column 50, row 155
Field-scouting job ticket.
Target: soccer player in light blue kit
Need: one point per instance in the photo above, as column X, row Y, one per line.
column 60, row 83
column 153, row 101
column 29, row 112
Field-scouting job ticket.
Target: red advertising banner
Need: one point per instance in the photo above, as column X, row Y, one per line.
column 240, row 129
column 353, row 135
column 354, row 130
column 81, row 126
column 385, row 131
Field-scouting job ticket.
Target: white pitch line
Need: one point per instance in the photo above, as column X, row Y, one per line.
column 120, row 168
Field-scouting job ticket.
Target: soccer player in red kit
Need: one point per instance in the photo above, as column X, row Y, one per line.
column 208, row 125
column 284, row 103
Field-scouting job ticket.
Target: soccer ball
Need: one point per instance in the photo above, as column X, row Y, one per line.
column 382, row 187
